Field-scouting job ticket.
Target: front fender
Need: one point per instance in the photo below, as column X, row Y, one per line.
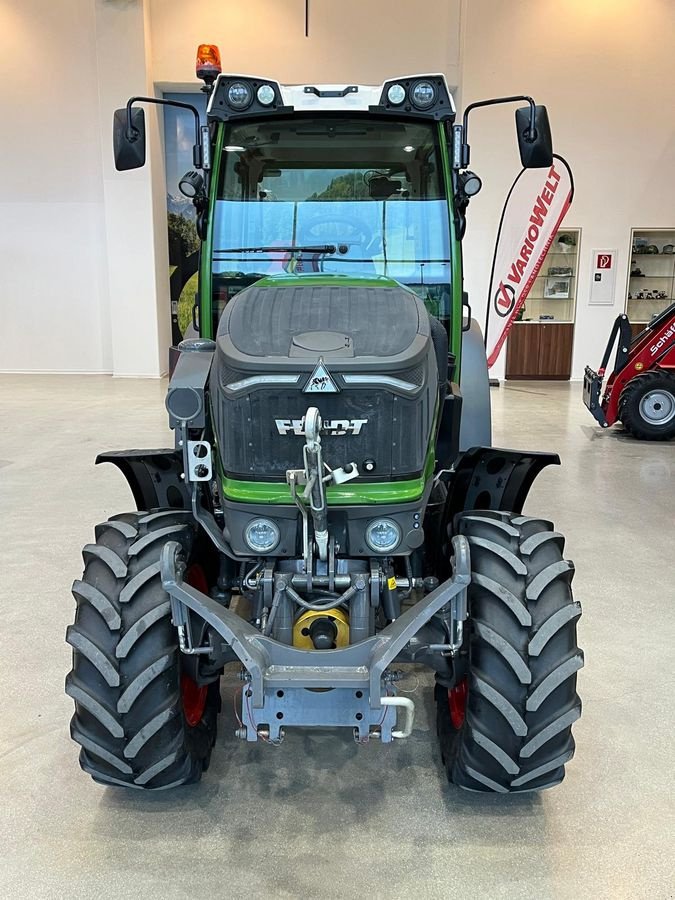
column 491, row 478
column 154, row 477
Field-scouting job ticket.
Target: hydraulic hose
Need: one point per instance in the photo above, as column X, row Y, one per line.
column 208, row 522
column 320, row 607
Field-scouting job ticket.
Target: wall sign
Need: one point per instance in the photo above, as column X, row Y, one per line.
column 603, row 278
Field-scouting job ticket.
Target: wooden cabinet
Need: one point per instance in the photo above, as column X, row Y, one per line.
column 540, row 350
column 522, row 351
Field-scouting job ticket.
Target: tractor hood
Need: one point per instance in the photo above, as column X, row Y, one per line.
column 361, row 350
column 334, row 316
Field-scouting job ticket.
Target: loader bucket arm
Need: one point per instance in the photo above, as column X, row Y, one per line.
column 592, row 391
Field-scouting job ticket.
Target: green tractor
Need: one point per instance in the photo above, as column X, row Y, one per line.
column 333, row 507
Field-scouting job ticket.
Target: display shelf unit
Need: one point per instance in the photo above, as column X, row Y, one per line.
column 540, row 342
column 651, row 276
column 555, row 288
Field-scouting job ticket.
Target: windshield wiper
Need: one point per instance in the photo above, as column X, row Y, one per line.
column 314, row 248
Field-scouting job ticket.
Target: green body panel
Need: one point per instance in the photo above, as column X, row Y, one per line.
column 331, row 279
column 338, row 495
column 456, row 250
column 205, row 289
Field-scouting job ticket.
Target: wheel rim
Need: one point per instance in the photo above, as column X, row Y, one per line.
column 194, row 700
column 457, row 703
column 193, row 695
column 658, row 407
column 196, row 577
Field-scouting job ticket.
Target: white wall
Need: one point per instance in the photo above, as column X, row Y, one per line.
column 606, row 71
column 83, row 261
column 83, row 252
column 53, row 290
column 136, row 251
column 83, row 258
column 350, row 41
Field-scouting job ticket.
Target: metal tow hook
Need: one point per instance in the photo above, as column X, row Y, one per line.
column 409, row 708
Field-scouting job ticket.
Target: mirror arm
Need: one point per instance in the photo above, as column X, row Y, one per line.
column 197, row 150
column 461, row 132
column 132, row 134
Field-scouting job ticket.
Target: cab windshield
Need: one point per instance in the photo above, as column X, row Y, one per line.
column 352, row 196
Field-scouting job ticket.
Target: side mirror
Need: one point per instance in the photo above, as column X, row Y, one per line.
column 536, row 151
column 129, row 143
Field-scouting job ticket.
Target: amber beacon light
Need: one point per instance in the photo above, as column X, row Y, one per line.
column 208, row 63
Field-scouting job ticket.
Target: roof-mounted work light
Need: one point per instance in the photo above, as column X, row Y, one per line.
column 236, row 96
column 424, row 96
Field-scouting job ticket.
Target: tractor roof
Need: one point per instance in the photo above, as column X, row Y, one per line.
column 312, row 98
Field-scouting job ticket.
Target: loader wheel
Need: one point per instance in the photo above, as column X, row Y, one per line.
column 140, row 720
column 507, row 727
column 647, row 406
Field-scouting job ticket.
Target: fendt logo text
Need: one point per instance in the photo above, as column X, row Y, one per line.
column 329, row 426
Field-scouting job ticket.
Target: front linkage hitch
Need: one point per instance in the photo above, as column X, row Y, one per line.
column 277, row 675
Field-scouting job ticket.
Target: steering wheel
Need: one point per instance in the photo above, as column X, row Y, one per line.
column 359, row 233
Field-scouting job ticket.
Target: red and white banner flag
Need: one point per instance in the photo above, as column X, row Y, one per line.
column 534, row 209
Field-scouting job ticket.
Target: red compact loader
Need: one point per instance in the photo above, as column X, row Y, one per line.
column 640, row 391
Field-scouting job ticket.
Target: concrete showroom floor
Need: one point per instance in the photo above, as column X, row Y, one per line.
column 320, row 817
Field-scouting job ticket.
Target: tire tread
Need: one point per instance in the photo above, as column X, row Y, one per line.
column 524, row 659
column 628, row 409
column 128, row 716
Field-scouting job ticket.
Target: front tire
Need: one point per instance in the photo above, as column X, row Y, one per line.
column 141, row 722
column 647, row 406
column 507, row 727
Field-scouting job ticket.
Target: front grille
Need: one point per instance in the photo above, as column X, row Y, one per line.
column 227, row 376
column 414, row 376
column 395, row 435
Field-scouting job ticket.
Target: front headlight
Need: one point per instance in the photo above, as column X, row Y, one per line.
column 396, row 94
column 239, row 95
column 423, row 94
column 262, row 535
column 265, row 95
column 383, row 535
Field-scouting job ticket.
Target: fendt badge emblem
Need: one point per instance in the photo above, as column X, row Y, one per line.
column 329, row 426
column 320, row 381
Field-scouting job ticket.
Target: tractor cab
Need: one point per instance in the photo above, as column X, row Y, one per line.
column 332, row 194
column 358, row 181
